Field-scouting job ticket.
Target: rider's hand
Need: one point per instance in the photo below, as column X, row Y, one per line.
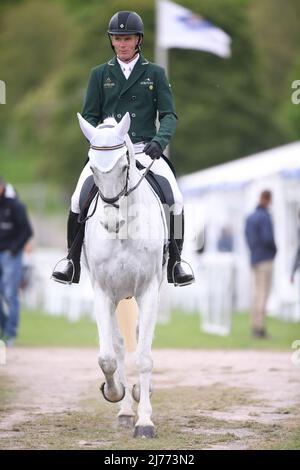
column 153, row 149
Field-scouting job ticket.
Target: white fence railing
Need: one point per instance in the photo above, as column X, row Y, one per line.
column 211, row 294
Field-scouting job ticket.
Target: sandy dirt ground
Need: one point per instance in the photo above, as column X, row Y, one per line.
column 41, row 381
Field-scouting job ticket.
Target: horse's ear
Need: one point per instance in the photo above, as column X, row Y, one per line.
column 86, row 127
column 123, row 127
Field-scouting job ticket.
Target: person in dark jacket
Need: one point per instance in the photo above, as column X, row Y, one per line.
column 130, row 83
column 259, row 234
column 15, row 231
column 296, row 262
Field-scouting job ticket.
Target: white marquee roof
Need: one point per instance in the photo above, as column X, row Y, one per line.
column 284, row 161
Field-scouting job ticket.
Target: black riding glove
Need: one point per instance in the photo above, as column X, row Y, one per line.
column 153, row 149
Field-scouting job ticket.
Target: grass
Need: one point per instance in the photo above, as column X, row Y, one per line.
column 179, row 423
column 182, row 416
column 40, row 329
column 183, row 331
column 290, row 440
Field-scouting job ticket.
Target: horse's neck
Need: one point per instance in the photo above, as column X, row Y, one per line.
column 140, row 210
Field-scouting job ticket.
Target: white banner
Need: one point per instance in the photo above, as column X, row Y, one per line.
column 178, row 27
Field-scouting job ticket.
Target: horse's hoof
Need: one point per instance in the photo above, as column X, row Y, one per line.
column 115, row 398
column 125, row 421
column 144, row 431
column 136, row 392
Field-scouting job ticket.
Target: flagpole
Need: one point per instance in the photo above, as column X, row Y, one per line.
column 160, row 53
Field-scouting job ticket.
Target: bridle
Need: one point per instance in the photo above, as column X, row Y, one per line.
column 125, row 191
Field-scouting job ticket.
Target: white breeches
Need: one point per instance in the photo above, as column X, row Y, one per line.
column 159, row 167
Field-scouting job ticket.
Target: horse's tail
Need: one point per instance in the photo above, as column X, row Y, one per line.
column 127, row 314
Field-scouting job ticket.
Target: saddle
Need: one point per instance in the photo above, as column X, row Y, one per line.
column 87, row 194
column 160, row 185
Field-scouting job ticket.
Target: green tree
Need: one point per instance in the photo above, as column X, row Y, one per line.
column 276, row 35
column 290, row 110
column 226, row 108
column 35, row 41
column 223, row 109
column 48, row 115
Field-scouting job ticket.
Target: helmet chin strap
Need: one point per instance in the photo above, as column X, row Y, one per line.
column 138, row 48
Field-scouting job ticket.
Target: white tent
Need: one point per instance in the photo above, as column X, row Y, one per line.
column 225, row 194
column 282, row 161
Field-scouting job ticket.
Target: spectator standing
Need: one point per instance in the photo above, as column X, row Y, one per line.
column 259, row 234
column 15, row 231
column 296, row 263
column 225, row 240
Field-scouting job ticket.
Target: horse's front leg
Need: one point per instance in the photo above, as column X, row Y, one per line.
column 126, row 415
column 148, row 305
column 113, row 390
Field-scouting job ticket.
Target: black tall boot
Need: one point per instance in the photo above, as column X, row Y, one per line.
column 175, row 271
column 75, row 234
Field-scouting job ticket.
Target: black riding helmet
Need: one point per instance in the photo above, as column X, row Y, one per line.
column 126, row 22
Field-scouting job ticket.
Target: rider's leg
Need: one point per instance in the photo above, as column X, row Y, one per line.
column 75, row 234
column 70, row 272
column 176, row 273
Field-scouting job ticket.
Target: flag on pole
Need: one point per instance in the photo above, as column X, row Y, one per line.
column 179, row 27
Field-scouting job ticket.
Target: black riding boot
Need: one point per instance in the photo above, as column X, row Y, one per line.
column 71, row 272
column 175, row 271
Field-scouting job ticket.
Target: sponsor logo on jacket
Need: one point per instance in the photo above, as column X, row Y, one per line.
column 108, row 83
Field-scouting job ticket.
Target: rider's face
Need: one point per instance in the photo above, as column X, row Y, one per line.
column 125, row 46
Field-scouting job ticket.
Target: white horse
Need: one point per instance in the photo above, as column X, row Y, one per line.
column 123, row 263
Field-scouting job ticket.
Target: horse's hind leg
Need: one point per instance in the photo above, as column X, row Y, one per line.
column 113, row 390
column 126, row 415
column 148, row 305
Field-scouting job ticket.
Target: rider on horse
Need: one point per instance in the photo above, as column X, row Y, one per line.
column 128, row 82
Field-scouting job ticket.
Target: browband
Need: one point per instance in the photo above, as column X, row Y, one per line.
column 114, row 147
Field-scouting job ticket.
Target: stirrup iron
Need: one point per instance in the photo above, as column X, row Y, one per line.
column 73, row 271
column 185, row 283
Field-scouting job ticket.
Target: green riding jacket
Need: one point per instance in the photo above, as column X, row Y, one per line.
column 145, row 93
